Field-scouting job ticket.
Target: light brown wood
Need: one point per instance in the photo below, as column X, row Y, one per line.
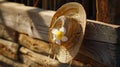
column 8, row 33
column 45, row 60
column 38, row 58
column 6, row 62
column 34, row 44
column 23, row 19
column 26, row 60
column 9, row 49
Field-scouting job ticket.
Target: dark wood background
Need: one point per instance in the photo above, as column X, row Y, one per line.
column 89, row 5
column 107, row 11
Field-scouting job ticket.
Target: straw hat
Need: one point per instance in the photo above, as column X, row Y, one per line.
column 67, row 30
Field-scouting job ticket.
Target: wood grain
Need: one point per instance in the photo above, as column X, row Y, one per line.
column 102, row 11
column 26, row 60
column 8, row 33
column 34, row 44
column 99, row 51
column 6, row 62
column 107, row 11
column 9, row 49
column 45, row 60
column 102, row 32
column 41, row 59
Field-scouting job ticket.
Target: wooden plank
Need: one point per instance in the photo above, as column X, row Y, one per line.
column 9, row 49
column 89, row 61
column 102, row 32
column 8, row 33
column 26, row 60
column 35, row 22
column 38, row 58
column 24, row 21
column 6, row 62
column 100, row 51
column 34, row 44
column 45, row 60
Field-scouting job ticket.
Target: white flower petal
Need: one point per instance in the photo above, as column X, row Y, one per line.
column 57, row 41
column 64, row 39
column 63, row 30
column 54, row 31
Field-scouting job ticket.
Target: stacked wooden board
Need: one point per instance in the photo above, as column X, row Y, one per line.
column 24, row 38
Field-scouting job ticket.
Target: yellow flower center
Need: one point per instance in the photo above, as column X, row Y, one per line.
column 59, row 35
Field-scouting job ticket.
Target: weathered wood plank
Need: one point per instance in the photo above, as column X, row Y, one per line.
column 8, row 33
column 23, row 18
column 35, row 22
column 9, row 49
column 102, row 32
column 38, row 58
column 99, row 51
column 26, row 60
column 34, row 44
column 6, row 62
column 89, row 61
column 44, row 60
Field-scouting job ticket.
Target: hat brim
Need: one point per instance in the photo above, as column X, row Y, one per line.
column 65, row 55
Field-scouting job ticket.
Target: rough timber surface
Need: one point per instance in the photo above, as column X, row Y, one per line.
column 5, row 62
column 9, row 49
column 8, row 33
column 100, row 46
column 45, row 60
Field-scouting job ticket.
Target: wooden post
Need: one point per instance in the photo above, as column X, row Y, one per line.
column 102, row 11
column 107, row 11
